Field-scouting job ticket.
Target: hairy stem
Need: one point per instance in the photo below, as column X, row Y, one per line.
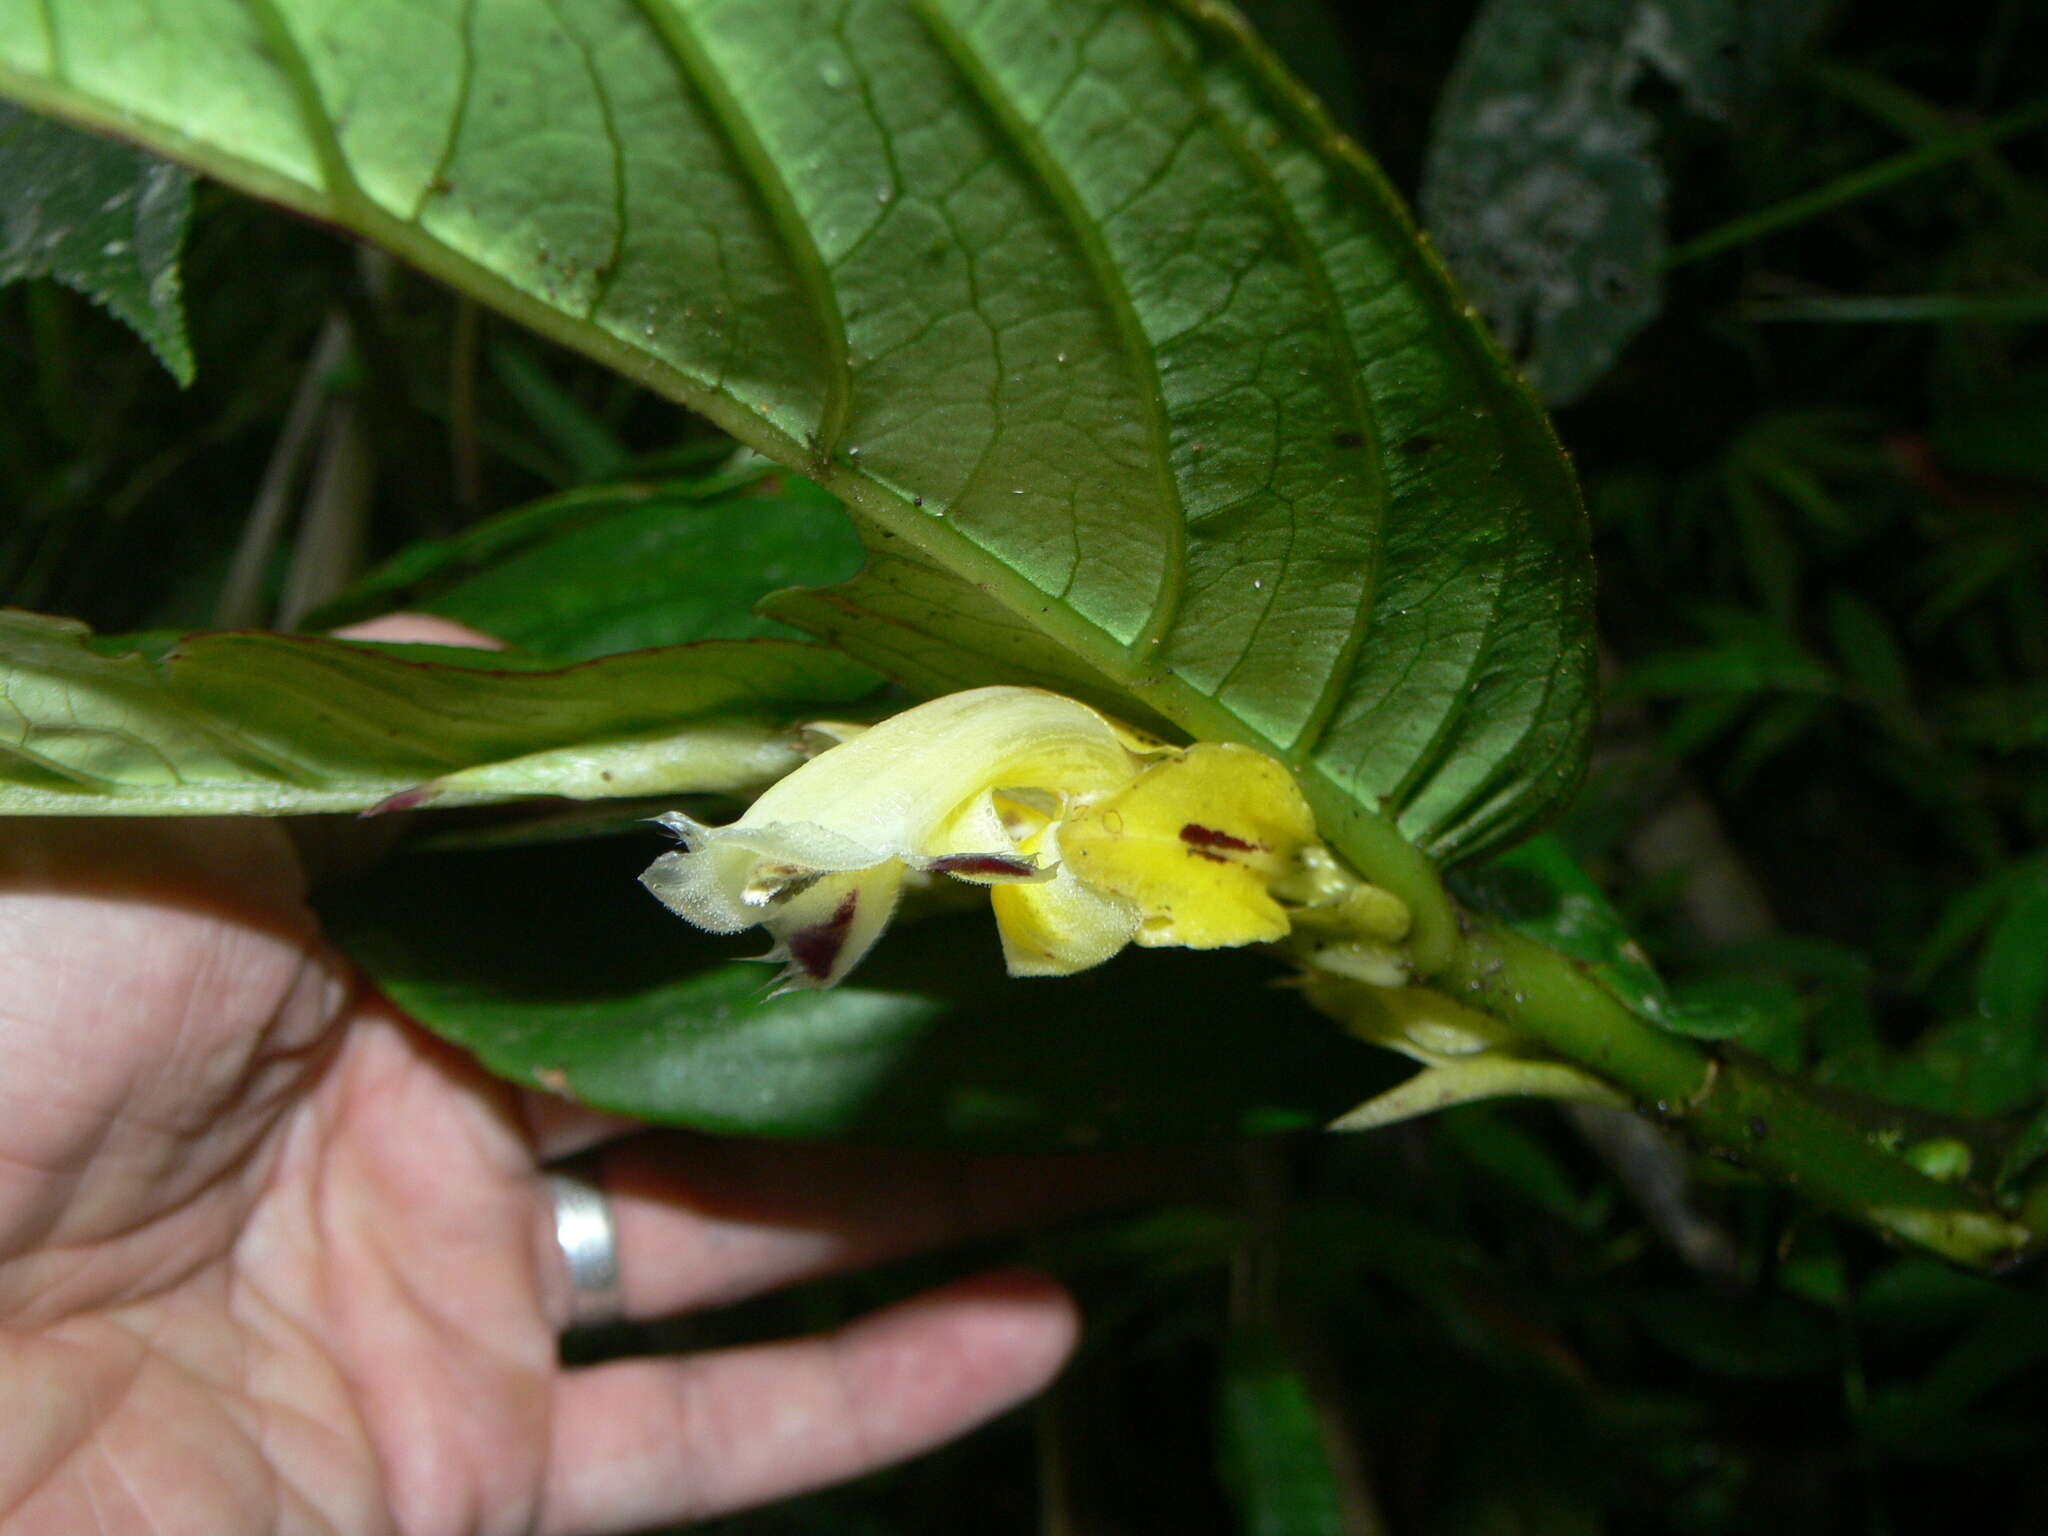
column 1734, row 1108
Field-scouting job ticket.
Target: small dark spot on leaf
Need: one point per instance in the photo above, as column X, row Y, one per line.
column 1415, row 447
column 1348, row 439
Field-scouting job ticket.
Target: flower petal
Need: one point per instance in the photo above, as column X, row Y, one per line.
column 899, row 784
column 722, row 877
column 824, row 929
column 1043, row 799
column 1196, row 842
column 823, row 921
column 1061, row 926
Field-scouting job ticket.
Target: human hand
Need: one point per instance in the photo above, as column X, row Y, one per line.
column 274, row 1259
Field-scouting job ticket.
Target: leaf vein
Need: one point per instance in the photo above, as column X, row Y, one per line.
column 290, row 58
column 695, row 70
column 1310, row 261
column 439, row 179
column 1065, row 199
column 621, row 211
column 46, row 9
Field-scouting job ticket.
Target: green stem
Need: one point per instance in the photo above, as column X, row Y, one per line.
column 1736, row 1108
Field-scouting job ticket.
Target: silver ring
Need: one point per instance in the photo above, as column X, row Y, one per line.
column 589, row 1240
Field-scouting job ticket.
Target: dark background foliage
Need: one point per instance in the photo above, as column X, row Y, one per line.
column 1819, row 484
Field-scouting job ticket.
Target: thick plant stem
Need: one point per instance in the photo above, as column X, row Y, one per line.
column 1735, row 1108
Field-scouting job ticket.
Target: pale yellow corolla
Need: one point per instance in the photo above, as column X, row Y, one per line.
column 1088, row 834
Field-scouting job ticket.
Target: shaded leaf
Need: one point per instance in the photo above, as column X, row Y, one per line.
column 1752, row 1336
column 1746, row 653
column 99, row 217
column 1775, row 727
column 2006, row 717
column 1541, row 184
column 2005, row 434
column 1934, row 1416
column 270, row 724
column 1868, row 650
column 1918, row 1293
column 1978, row 1064
column 1970, row 911
column 1272, row 1452
column 2012, row 979
column 621, row 567
column 2025, row 1152
column 591, row 450
column 607, row 998
column 1499, row 1146
column 1541, row 891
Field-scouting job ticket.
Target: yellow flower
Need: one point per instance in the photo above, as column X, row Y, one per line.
column 1089, row 835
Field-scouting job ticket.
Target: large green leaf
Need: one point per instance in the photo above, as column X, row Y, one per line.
column 607, row 998
column 102, row 218
column 1080, row 304
column 271, row 724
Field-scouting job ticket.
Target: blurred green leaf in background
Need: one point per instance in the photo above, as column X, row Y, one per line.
column 1544, row 183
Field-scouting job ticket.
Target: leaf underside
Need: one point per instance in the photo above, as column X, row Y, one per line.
column 1135, row 372
column 272, row 724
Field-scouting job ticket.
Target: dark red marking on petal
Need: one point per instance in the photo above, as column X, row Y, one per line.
column 983, row 864
column 1197, row 836
column 814, row 949
column 1213, row 858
